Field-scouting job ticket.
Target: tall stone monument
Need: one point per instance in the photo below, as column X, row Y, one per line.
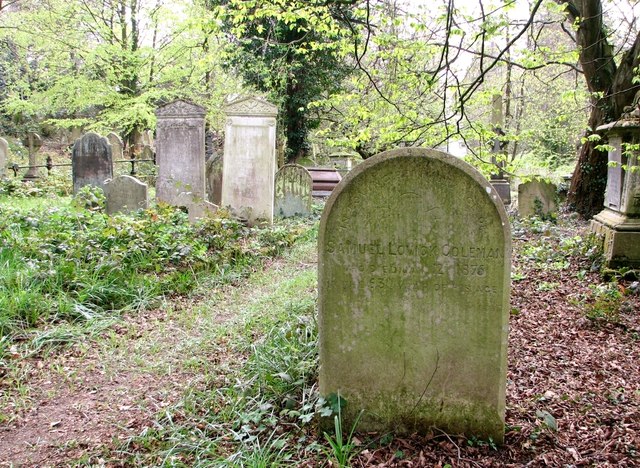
column 249, row 160
column 293, row 191
column 4, row 156
column 619, row 221
column 413, row 294
column 32, row 141
column 180, row 152
column 499, row 181
column 92, row 162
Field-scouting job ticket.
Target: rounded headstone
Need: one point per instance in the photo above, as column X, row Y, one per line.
column 293, row 191
column 414, row 276
column 92, row 162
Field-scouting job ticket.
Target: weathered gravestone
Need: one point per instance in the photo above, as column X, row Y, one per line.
column 414, row 273
column 117, row 146
column 4, row 155
column 33, row 142
column 214, row 178
column 180, row 151
column 125, row 194
column 92, row 162
column 249, row 160
column 537, row 198
column 293, row 191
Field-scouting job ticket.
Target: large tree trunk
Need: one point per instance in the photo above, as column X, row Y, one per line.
column 612, row 87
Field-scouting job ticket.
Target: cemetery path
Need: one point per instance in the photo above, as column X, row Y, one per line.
column 73, row 402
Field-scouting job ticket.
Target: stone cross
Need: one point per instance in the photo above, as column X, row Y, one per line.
column 33, row 142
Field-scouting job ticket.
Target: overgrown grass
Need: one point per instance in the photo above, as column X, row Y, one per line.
column 62, row 267
column 257, row 406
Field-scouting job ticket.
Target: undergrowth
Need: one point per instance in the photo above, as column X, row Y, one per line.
column 60, row 267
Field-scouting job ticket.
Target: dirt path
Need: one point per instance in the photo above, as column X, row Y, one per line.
column 62, row 405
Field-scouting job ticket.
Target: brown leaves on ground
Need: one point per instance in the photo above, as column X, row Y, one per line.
column 573, row 383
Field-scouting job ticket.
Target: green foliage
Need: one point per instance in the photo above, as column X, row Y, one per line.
column 294, row 51
column 54, row 186
column 341, row 449
column 605, row 304
column 90, row 198
column 64, row 265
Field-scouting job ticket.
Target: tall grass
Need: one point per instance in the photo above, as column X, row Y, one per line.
column 64, row 265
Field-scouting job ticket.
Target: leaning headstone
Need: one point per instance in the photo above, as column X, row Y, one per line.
column 413, row 294
column 116, row 145
column 196, row 207
column 180, row 151
column 147, row 153
column 4, row 156
column 293, row 191
column 214, row 178
column 537, row 198
column 125, row 194
column 32, row 141
column 250, row 159
column 92, row 162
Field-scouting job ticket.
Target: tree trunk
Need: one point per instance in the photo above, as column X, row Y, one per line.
column 612, row 87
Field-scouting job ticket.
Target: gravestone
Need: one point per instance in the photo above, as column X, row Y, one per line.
column 4, row 156
column 125, row 194
column 292, row 191
column 619, row 222
column 180, row 151
column 537, row 198
column 147, row 153
column 250, row 159
column 92, row 163
column 413, row 295
column 214, row 178
column 32, row 141
column 197, row 208
column 117, row 146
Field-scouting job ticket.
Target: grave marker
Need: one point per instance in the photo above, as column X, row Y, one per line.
column 92, row 162
column 125, row 194
column 32, row 141
column 413, row 294
column 537, row 197
column 250, row 159
column 292, row 191
column 4, row 155
column 116, row 145
column 180, row 151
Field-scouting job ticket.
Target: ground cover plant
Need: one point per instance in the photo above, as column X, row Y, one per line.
column 65, row 265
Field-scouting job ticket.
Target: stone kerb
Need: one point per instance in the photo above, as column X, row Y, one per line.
column 125, row 194
column 92, row 161
column 249, row 159
column 537, row 197
column 180, row 151
column 4, row 156
column 293, row 191
column 413, row 293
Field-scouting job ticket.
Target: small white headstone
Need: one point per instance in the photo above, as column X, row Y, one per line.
column 125, row 194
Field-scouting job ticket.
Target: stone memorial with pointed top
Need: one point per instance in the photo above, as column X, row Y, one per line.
column 292, row 191
column 537, row 198
column 33, row 142
column 125, row 194
column 249, row 160
column 4, row 156
column 180, row 151
column 117, row 147
column 92, row 162
column 413, row 294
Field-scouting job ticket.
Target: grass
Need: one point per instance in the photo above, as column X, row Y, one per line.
column 253, row 400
